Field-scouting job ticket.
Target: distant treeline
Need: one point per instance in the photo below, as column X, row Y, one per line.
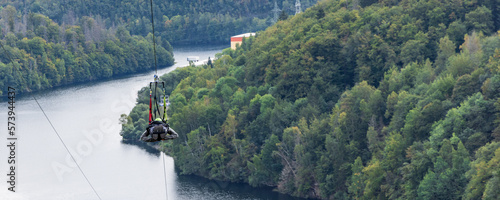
column 349, row 100
column 178, row 21
column 46, row 54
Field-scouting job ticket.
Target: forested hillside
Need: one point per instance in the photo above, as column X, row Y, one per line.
column 178, row 21
column 348, row 100
column 47, row 54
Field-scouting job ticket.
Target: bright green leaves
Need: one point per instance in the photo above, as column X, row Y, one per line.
column 356, row 182
column 298, row 108
column 427, row 187
column 483, row 175
column 374, row 174
column 446, row 50
column 446, row 180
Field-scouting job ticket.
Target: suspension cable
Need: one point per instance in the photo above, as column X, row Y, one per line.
column 55, row 131
column 156, row 78
column 154, row 40
column 73, row 158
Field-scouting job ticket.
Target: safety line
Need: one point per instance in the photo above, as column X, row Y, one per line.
column 12, row 61
column 66, row 148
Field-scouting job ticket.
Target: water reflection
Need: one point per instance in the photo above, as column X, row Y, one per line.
column 151, row 150
column 191, row 186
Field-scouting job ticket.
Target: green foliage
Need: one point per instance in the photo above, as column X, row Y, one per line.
column 349, row 100
column 283, row 16
column 48, row 55
column 374, row 177
column 483, row 173
column 264, row 169
column 415, row 50
column 427, row 188
column 356, row 184
column 179, row 22
column 447, row 179
column 459, row 65
column 456, row 30
column 465, row 86
column 446, row 50
column 480, row 19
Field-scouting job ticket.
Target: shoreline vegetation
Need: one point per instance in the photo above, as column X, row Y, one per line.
column 59, row 43
column 47, row 55
column 348, row 100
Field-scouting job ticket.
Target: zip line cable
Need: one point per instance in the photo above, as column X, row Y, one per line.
column 73, row 158
column 55, row 131
column 154, row 53
column 154, row 40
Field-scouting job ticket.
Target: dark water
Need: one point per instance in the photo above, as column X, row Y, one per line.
column 86, row 117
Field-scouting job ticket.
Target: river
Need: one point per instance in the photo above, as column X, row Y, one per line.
column 86, row 118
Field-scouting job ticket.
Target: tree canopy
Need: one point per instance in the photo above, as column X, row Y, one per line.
column 348, row 100
column 46, row 54
column 177, row 21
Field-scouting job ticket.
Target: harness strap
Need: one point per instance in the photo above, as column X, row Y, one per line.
column 150, row 106
column 164, row 103
column 157, row 111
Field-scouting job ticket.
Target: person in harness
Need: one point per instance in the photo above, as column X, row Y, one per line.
column 158, row 130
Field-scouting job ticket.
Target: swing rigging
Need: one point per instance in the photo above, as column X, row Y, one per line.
column 158, row 129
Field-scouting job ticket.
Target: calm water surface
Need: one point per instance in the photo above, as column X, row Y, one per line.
column 86, row 117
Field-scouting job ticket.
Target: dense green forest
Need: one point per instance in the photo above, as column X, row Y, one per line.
column 47, row 54
column 349, row 100
column 177, row 21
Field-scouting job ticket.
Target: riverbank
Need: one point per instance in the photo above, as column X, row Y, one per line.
column 86, row 117
column 82, row 84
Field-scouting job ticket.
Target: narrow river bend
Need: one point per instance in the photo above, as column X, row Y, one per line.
column 86, row 117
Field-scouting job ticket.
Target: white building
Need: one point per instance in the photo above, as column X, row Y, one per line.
column 193, row 58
